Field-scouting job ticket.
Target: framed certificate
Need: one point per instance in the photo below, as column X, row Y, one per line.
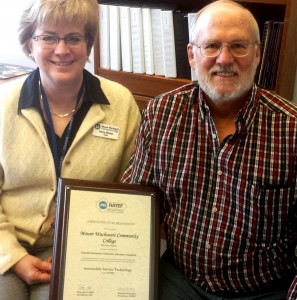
column 106, row 243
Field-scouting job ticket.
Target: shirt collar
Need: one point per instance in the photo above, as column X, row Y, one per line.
column 203, row 107
column 250, row 107
column 245, row 114
column 29, row 95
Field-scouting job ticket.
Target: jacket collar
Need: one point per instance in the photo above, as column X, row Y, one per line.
column 29, row 95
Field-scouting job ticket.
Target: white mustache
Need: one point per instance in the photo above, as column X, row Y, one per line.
column 224, row 71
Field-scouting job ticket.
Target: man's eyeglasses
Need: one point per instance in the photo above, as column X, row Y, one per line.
column 237, row 49
column 51, row 41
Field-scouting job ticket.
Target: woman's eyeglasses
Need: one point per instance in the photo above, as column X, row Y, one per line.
column 51, row 41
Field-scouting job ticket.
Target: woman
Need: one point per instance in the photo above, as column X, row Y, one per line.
column 50, row 128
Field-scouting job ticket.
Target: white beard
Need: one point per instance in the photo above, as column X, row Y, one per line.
column 238, row 90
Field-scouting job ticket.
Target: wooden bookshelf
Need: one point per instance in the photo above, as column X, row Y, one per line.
column 145, row 87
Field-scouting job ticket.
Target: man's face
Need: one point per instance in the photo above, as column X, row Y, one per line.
column 225, row 77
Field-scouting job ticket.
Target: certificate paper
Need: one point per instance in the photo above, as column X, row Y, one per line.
column 106, row 243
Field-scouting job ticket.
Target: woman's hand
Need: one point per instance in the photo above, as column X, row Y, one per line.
column 33, row 270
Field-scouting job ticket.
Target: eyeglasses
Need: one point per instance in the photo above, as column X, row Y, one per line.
column 237, row 49
column 51, row 41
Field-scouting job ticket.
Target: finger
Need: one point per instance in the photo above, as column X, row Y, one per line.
column 44, row 265
column 49, row 259
column 42, row 277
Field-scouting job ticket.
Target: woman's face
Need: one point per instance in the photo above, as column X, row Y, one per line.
column 60, row 63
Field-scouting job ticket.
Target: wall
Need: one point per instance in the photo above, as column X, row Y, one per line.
column 10, row 50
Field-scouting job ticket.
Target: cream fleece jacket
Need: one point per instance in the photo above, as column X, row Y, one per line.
column 27, row 173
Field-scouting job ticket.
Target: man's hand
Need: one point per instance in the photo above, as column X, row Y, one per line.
column 33, row 270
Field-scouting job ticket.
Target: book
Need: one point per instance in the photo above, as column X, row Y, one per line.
column 148, row 41
column 191, row 18
column 9, row 71
column 275, row 58
column 272, row 35
column 126, row 39
column 264, row 49
column 137, row 40
column 104, row 54
column 114, row 38
column 156, row 15
column 168, row 43
column 158, row 42
column 181, row 40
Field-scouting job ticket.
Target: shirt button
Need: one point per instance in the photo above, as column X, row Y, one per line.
column 214, row 135
column 220, row 172
column 206, row 277
column 214, row 209
column 207, row 246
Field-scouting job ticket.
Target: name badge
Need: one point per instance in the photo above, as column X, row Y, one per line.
column 106, row 131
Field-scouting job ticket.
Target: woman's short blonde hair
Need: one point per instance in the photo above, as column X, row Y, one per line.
column 81, row 12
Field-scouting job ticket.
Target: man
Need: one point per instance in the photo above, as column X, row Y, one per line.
column 223, row 151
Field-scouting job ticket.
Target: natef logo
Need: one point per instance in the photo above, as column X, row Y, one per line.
column 105, row 206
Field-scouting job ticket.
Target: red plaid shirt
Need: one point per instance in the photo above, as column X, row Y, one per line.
column 292, row 295
column 226, row 205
